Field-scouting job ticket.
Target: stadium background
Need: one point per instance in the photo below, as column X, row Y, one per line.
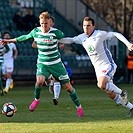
column 68, row 18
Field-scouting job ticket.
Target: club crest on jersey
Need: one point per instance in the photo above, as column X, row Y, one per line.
column 91, row 49
column 51, row 37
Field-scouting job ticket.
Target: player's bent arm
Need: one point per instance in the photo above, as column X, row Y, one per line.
column 121, row 38
column 67, row 40
column 15, row 53
column 34, row 45
column 124, row 40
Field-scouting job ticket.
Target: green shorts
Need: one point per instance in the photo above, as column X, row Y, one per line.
column 57, row 70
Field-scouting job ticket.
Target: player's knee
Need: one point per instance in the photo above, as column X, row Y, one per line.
column 8, row 75
column 39, row 83
column 68, row 87
column 101, row 86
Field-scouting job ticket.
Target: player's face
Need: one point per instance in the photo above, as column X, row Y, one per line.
column 88, row 27
column 45, row 25
column 6, row 36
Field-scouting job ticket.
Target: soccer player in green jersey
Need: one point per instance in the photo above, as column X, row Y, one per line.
column 49, row 60
column 54, row 86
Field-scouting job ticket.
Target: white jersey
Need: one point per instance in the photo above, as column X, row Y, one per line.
column 9, row 55
column 8, row 65
column 95, row 45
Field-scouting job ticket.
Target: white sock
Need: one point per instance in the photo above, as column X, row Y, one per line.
column 50, row 84
column 8, row 81
column 57, row 88
column 113, row 88
column 118, row 99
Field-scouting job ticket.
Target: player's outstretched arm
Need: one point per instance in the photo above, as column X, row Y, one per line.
column 124, row 40
column 5, row 41
column 66, row 40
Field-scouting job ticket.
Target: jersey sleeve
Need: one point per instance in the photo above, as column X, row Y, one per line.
column 68, row 40
column 59, row 34
column 26, row 37
column 118, row 36
column 78, row 39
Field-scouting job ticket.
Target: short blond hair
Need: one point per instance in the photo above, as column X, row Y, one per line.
column 44, row 15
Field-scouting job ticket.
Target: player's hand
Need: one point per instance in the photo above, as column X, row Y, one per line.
column 34, row 45
column 15, row 57
column 4, row 42
column 3, row 52
column 61, row 46
column 130, row 46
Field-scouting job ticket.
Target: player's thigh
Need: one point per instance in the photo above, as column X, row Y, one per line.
column 9, row 66
column 59, row 72
column 42, row 70
column 3, row 69
column 104, row 75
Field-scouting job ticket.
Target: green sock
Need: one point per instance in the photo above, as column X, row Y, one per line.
column 1, row 88
column 37, row 92
column 74, row 98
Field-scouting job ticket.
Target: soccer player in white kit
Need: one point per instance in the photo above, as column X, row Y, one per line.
column 8, row 64
column 94, row 42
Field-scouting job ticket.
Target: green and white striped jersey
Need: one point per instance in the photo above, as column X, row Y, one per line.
column 3, row 49
column 47, row 44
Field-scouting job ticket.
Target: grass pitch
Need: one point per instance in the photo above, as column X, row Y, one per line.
column 101, row 113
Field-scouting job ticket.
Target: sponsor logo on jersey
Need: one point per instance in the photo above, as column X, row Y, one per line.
column 47, row 40
column 62, row 77
column 91, row 49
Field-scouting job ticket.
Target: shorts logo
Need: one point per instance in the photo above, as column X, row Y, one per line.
column 9, row 68
column 62, row 77
column 91, row 49
column 104, row 71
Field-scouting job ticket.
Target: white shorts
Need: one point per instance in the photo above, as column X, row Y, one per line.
column 8, row 66
column 107, row 71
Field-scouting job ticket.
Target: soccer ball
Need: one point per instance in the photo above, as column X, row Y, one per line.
column 9, row 109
